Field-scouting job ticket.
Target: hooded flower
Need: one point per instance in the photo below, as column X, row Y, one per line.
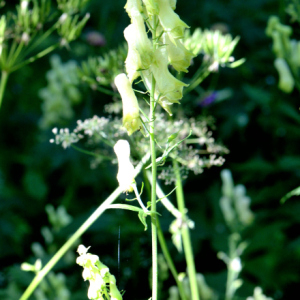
column 98, row 276
column 169, row 88
column 152, row 7
column 170, row 21
column 131, row 114
column 125, row 174
column 133, row 7
column 179, row 57
column 286, row 80
column 140, row 52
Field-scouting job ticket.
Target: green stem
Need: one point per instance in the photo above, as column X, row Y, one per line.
column 4, row 77
column 169, row 260
column 187, row 245
column 232, row 274
column 153, row 194
column 35, row 57
column 164, row 200
column 154, row 175
column 91, row 153
column 107, row 92
column 59, row 254
column 199, row 76
column 40, row 39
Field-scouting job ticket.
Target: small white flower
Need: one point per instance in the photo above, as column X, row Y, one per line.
column 236, row 265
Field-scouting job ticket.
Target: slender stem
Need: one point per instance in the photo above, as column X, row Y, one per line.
column 232, row 273
column 154, row 175
column 199, row 76
column 59, row 254
column 107, row 92
column 35, row 57
column 153, row 194
column 40, row 39
column 4, row 77
column 169, row 260
column 165, row 201
column 91, row 153
column 139, row 198
column 187, row 245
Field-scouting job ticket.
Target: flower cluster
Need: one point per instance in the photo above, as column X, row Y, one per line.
column 287, row 53
column 234, row 203
column 102, row 283
column 216, row 47
column 149, row 59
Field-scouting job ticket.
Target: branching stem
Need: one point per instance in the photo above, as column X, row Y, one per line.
column 82, row 229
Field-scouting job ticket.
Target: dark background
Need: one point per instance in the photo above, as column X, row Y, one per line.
column 259, row 124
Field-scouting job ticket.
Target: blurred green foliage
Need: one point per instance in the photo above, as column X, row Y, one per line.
column 258, row 124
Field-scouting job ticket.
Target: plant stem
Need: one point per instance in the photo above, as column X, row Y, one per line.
column 232, row 274
column 153, row 194
column 169, row 260
column 34, row 58
column 59, row 254
column 187, row 245
column 4, row 77
column 164, row 200
column 154, row 173
column 199, row 76
column 91, row 153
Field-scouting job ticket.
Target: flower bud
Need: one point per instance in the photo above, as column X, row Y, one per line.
column 286, row 80
column 125, row 174
column 131, row 113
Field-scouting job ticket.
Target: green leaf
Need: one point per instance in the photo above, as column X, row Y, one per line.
column 172, row 137
column 126, row 207
column 142, row 216
column 237, row 63
column 295, row 192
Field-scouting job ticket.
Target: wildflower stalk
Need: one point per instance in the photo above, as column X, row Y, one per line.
column 187, row 245
column 154, row 176
column 161, row 238
column 4, row 77
column 169, row 260
column 153, row 193
column 82, row 229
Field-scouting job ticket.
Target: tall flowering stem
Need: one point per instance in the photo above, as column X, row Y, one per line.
column 154, row 176
column 187, row 245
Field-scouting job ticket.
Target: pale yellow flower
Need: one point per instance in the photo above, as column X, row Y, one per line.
column 131, row 113
column 125, row 174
